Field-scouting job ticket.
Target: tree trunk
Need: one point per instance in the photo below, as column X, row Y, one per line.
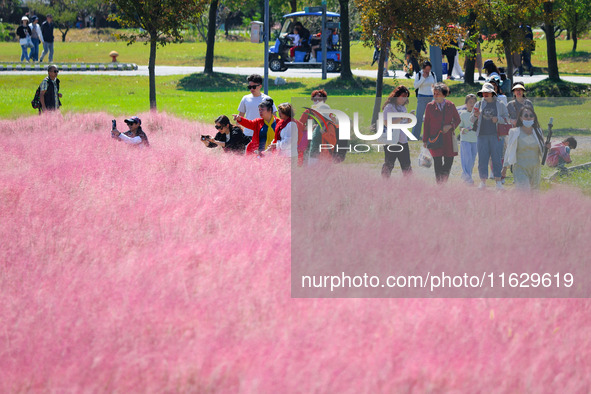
column 294, row 5
column 152, row 71
column 553, row 74
column 471, row 56
column 345, row 41
column 213, row 11
column 64, row 31
column 379, row 84
column 509, row 57
column 575, row 38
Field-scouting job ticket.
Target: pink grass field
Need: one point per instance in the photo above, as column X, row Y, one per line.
column 168, row 270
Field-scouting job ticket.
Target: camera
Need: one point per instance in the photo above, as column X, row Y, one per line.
column 205, row 138
column 114, row 124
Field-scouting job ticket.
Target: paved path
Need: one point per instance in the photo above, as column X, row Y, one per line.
column 292, row 73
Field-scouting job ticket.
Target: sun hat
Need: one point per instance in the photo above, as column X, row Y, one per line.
column 24, row 18
column 487, row 88
column 133, row 119
column 518, row 85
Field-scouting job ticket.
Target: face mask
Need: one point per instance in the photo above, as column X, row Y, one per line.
column 528, row 123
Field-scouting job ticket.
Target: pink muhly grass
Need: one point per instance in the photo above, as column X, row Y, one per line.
column 168, row 269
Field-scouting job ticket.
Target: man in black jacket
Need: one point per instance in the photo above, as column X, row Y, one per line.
column 47, row 31
column 49, row 91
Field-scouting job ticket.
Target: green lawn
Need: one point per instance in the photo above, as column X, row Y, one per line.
column 193, row 97
column 203, row 98
column 247, row 54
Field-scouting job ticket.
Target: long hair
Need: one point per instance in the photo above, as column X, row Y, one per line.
column 530, row 109
column 224, row 121
column 399, row 91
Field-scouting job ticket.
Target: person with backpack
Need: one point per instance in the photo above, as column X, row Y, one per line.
column 49, row 91
column 424, row 80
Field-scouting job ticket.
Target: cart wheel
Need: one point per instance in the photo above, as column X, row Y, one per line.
column 276, row 65
column 331, row 66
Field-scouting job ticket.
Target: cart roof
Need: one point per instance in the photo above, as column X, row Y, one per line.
column 304, row 13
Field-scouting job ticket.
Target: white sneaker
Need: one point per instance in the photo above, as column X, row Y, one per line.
column 482, row 185
column 500, row 186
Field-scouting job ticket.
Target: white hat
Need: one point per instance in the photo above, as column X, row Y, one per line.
column 518, row 85
column 24, row 18
column 487, row 88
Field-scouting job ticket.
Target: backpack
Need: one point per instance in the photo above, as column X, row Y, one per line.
column 36, row 102
column 420, row 73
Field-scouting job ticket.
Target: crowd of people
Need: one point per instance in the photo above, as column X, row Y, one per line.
column 502, row 135
column 31, row 34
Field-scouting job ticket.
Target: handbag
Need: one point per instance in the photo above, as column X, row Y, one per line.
column 503, row 129
column 29, row 43
column 437, row 141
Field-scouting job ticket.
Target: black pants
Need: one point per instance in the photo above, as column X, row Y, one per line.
column 442, row 166
column 450, row 54
column 390, row 158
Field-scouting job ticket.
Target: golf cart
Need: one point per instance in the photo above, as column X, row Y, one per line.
column 279, row 55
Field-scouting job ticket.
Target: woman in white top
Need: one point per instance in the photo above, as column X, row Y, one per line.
column 285, row 132
column 525, row 148
column 398, row 148
column 134, row 136
column 468, row 139
column 424, row 81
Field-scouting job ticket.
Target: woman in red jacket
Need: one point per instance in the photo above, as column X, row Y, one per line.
column 441, row 116
column 263, row 127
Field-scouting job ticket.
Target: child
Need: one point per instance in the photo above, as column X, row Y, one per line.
column 559, row 154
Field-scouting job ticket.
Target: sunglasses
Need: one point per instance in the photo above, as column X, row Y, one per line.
column 253, row 86
column 55, row 71
column 528, row 116
column 218, row 127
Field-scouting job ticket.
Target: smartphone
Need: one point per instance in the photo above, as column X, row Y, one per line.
column 114, row 122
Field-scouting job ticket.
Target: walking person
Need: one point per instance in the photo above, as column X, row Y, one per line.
column 468, row 140
column 485, row 116
column 424, row 81
column 24, row 34
column 526, row 54
column 515, row 106
column 525, row 148
column 441, row 119
column 249, row 105
column 49, row 94
column 47, row 32
column 36, row 38
column 398, row 147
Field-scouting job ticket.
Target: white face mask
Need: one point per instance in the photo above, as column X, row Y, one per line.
column 528, row 123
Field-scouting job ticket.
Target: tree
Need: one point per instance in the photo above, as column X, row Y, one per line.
column 345, row 41
column 211, row 30
column 406, row 20
column 575, row 18
column 505, row 19
column 64, row 12
column 550, row 15
column 161, row 21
